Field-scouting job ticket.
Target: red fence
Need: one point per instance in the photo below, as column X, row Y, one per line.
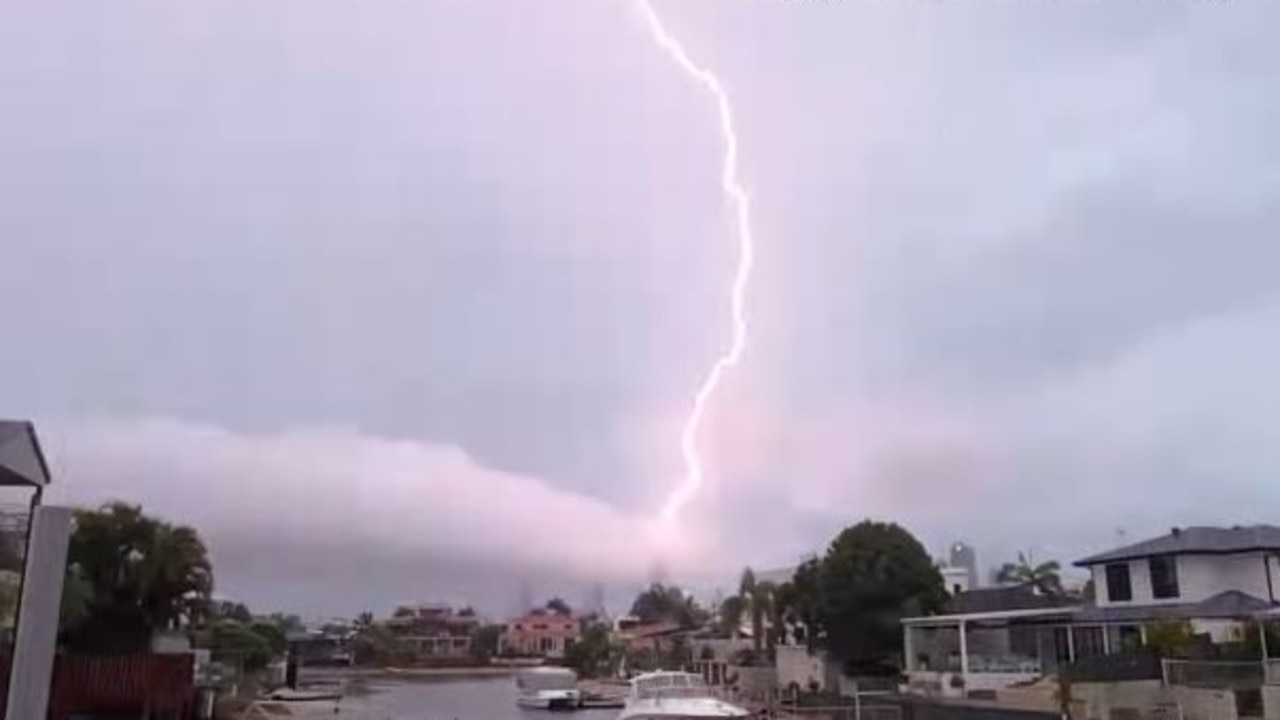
column 162, row 686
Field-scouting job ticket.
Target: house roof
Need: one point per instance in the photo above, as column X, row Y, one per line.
column 1228, row 605
column 652, row 630
column 1195, row 541
column 1000, row 599
column 21, row 460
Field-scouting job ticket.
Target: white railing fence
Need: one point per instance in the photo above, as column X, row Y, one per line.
column 860, row 711
column 1213, row 673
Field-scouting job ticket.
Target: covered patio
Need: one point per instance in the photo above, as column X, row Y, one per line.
column 988, row 650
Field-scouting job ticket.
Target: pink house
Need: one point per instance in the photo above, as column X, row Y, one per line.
column 542, row 635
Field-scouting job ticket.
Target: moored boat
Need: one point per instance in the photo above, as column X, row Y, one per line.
column 665, row 695
column 548, row 688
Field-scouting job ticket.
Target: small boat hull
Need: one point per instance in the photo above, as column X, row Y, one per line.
column 551, row 700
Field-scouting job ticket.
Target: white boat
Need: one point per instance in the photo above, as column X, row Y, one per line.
column 667, row 695
column 548, row 688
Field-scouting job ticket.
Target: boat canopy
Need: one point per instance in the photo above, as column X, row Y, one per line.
column 669, row 685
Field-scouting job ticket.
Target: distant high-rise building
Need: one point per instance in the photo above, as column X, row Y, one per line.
column 658, row 573
column 962, row 556
column 524, row 598
column 595, row 601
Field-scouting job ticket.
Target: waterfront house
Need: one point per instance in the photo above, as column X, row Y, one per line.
column 435, row 632
column 543, row 634
column 1211, row 580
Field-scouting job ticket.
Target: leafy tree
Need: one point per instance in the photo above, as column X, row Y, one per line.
column 592, row 655
column 1171, row 639
column 231, row 640
column 485, row 640
column 1045, row 577
column 229, row 610
column 376, row 644
column 872, row 576
column 800, row 602
column 138, row 575
column 287, row 623
column 558, row 606
column 732, row 610
column 667, row 603
column 275, row 638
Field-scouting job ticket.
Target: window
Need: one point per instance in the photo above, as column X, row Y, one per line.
column 1164, row 577
column 1118, row 587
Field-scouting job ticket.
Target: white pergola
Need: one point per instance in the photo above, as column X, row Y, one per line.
column 961, row 623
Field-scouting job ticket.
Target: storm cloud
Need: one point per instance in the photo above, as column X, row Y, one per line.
column 418, row 291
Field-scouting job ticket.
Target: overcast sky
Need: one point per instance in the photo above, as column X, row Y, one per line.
column 401, row 299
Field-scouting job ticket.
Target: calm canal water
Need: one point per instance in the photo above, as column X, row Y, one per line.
column 489, row 698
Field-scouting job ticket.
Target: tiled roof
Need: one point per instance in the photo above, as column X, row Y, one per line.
column 1228, row 605
column 1195, row 541
column 1001, row 599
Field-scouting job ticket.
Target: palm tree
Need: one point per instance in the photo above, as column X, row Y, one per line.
column 1044, row 578
column 758, row 596
column 175, row 577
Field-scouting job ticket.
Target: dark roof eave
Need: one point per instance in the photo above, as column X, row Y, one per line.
column 1106, row 558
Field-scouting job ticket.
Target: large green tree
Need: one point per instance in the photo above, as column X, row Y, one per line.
column 593, row 654
column 486, row 641
column 667, row 603
column 854, row 597
column 732, row 610
column 137, row 575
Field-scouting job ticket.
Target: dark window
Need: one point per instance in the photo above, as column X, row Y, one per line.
column 1118, row 587
column 1164, row 577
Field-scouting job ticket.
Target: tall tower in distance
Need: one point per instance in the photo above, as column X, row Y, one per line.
column 962, row 556
column 595, row 603
column 524, row 598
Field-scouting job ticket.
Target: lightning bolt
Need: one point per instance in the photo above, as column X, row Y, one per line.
column 741, row 202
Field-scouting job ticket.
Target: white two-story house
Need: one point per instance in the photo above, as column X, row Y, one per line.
column 1211, row 577
column 1214, row 579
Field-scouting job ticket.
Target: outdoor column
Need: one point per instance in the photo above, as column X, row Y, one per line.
column 1106, row 639
column 964, row 655
column 908, row 648
column 33, row 649
column 1071, row 644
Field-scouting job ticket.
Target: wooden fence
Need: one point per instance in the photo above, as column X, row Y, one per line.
column 158, row 687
